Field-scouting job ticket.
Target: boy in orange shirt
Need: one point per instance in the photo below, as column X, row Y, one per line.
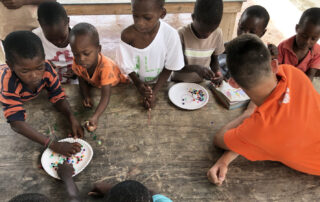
column 92, row 68
column 302, row 50
column 284, row 125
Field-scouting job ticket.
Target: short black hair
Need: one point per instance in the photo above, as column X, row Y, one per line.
column 129, row 191
column 208, row 12
column 51, row 13
column 30, row 197
column 248, row 60
column 258, row 12
column 86, row 29
column 24, row 44
column 160, row 3
column 311, row 15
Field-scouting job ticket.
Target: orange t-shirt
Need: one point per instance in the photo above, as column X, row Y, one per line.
column 106, row 73
column 285, row 128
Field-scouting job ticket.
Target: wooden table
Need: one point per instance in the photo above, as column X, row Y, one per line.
column 171, row 155
column 120, row 7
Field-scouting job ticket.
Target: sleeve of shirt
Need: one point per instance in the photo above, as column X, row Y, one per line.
column 108, row 75
column 53, row 87
column 75, row 69
column 174, row 56
column 220, row 45
column 125, row 58
column 12, row 107
column 237, row 140
column 315, row 61
column 280, row 54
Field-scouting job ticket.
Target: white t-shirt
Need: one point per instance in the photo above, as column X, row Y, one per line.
column 62, row 58
column 164, row 51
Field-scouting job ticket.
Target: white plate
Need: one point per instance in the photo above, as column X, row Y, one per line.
column 50, row 158
column 181, row 95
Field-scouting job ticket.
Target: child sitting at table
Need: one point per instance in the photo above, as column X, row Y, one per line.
column 150, row 49
column 302, row 50
column 93, row 69
column 202, row 42
column 54, row 34
column 26, row 75
column 253, row 20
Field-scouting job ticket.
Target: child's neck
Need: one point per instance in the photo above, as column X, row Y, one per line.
column 146, row 38
column 300, row 53
column 92, row 69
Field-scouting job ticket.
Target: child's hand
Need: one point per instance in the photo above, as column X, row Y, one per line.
column 145, row 90
column 92, row 124
column 65, row 170
column 87, row 103
column 273, row 51
column 217, row 173
column 66, row 148
column 218, row 78
column 149, row 103
column 206, row 73
column 69, row 74
column 77, row 130
column 100, row 188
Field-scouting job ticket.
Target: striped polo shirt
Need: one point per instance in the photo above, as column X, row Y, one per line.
column 13, row 92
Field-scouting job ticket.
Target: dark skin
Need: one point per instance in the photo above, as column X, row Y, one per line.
column 253, row 25
column 65, row 172
column 203, row 31
column 146, row 15
column 86, row 54
column 30, row 72
column 15, row 4
column 307, row 36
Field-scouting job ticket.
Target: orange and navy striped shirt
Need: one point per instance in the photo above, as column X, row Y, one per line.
column 13, row 92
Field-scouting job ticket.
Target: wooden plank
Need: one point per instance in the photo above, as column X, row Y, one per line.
column 125, row 8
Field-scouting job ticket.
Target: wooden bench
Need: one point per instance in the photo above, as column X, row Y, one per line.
column 122, row 7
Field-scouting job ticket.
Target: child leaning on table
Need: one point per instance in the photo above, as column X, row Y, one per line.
column 22, row 79
column 93, row 69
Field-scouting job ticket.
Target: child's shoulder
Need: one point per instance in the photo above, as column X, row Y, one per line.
column 128, row 34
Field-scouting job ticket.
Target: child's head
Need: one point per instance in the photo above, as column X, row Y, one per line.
column 25, row 56
column 206, row 17
column 248, row 60
column 254, row 20
column 129, row 191
column 308, row 29
column 30, row 197
column 85, row 45
column 146, row 14
column 54, row 23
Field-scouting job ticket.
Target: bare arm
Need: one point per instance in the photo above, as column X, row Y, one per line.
column 218, row 171
column 104, row 101
column 26, row 130
column 64, row 108
column 65, row 172
column 311, row 73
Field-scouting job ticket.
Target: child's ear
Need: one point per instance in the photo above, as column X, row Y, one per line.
column 297, row 27
column 163, row 13
column 10, row 65
column 99, row 48
column 192, row 16
column 274, row 65
column 233, row 83
column 68, row 20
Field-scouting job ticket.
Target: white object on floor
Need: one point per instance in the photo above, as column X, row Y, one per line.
column 188, row 96
column 50, row 159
